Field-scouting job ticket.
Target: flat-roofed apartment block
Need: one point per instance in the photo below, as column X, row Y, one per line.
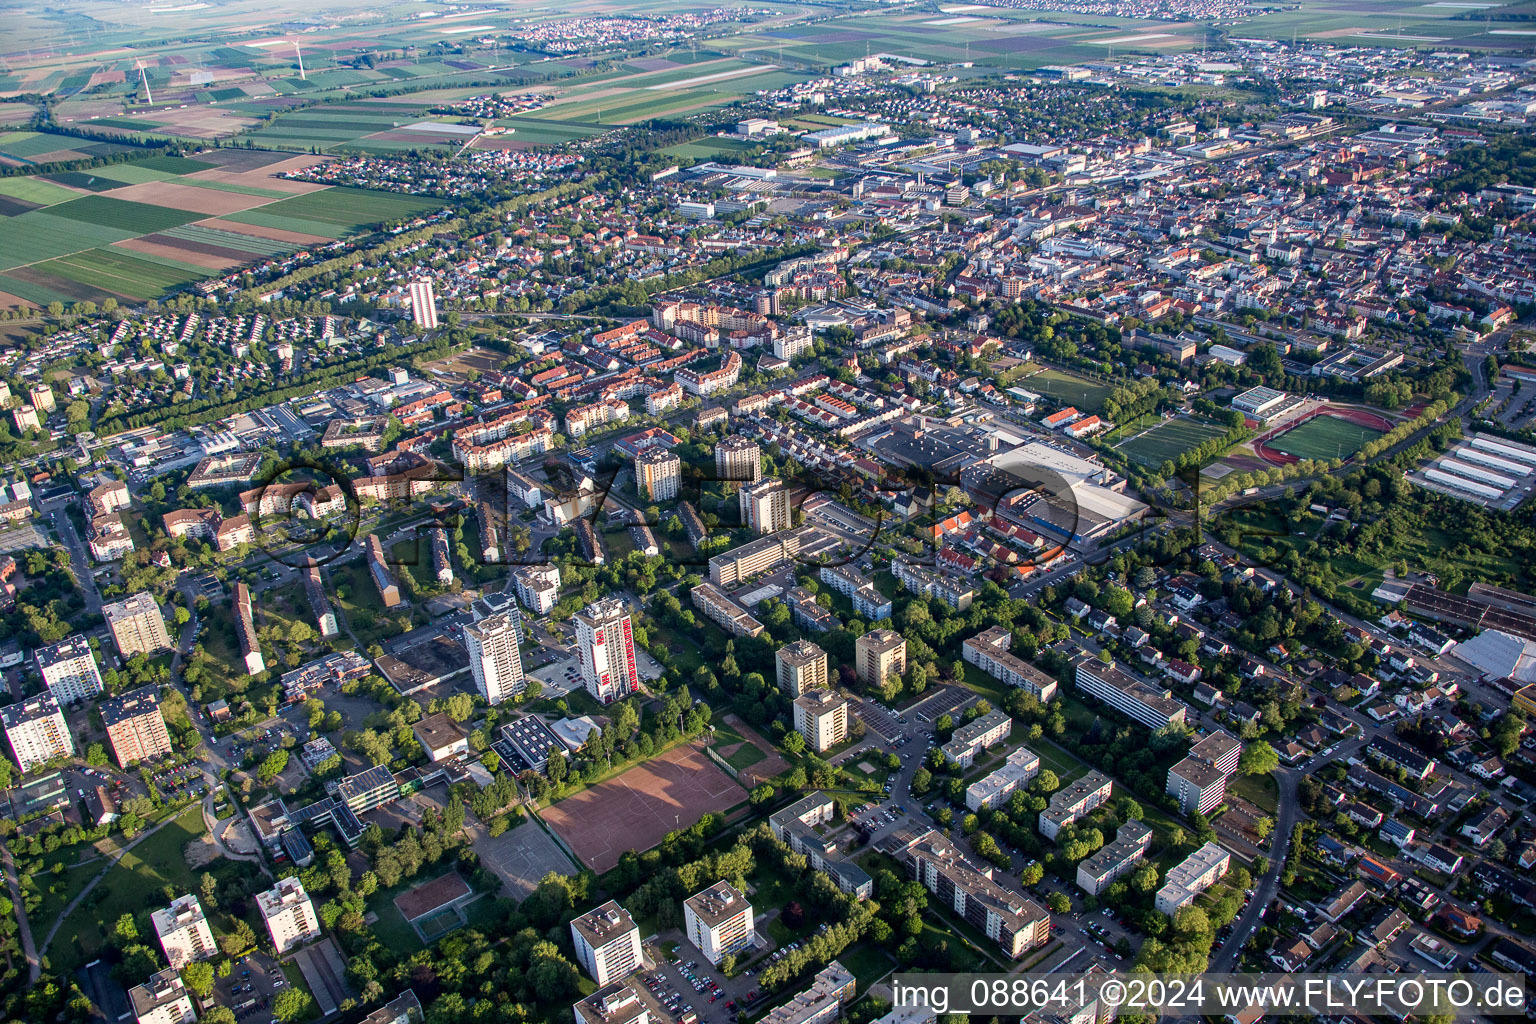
column 1095, row 873
column 796, row 826
column 868, row 602
column 1074, row 800
column 740, row 459
column 1154, row 707
column 975, row 736
column 403, row 1009
column 821, row 716
column 1017, row 924
column 607, row 942
column 617, row 1003
column 742, row 563
column 135, row 728
column 718, row 607
column 988, row 651
column 925, row 582
column 719, row 921
column 606, row 646
column 289, row 914
column 821, row 1003
column 880, row 654
column 1198, row 872
column 36, row 731
column 137, row 625
column 765, row 506
column 538, row 587
column 1199, row 782
column 69, row 669
column 163, row 999
column 802, row 667
column 1018, row 771
column 495, row 661
column 658, row 474
column 184, row 932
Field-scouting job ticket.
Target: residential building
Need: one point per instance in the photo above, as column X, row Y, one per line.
column 765, row 506
column 606, row 645
column 1018, row 771
column 607, row 943
column 1197, row 873
column 163, row 999
column 319, row 603
column 289, row 914
column 821, row 1003
column 740, row 564
column 378, row 568
column 617, row 1003
column 658, row 474
column 137, row 625
column 1199, row 782
column 868, row 602
column 495, row 661
column 1153, row 707
column 925, row 582
column 1096, row 872
column 738, row 459
column 878, row 655
column 1015, row 923
column 821, row 716
column 1072, row 801
column 245, row 630
column 798, row 826
column 403, row 1009
column 802, row 667
column 988, row 651
column 135, row 727
column 719, row 921
column 538, row 587
column 69, row 669
column 184, row 932
column 36, row 731
column 975, row 736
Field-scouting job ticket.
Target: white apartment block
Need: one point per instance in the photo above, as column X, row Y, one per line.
column 494, row 658
column 538, row 587
column 607, row 943
column 765, row 506
column 988, row 651
column 423, row 305
column 1015, row 773
column 658, row 474
column 719, row 921
column 975, row 736
column 1074, row 800
column 879, row 654
column 69, row 669
column 1199, row 782
column 1199, row 871
column 802, row 667
column 821, row 716
column 289, row 915
column 36, row 731
column 738, row 459
column 184, row 932
column 1095, row 873
column 606, row 645
column 163, row 999
column 1152, row 706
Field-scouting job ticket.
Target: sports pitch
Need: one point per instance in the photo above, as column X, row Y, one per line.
column 1323, row 437
column 1085, row 394
column 1167, row 441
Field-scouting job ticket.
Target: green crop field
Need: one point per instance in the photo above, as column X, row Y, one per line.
column 1167, row 441
column 132, row 218
column 1324, row 437
column 132, row 274
column 338, row 210
column 35, row 190
column 1086, row 394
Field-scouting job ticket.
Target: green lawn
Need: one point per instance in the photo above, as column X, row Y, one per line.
column 1087, row 395
column 1259, row 790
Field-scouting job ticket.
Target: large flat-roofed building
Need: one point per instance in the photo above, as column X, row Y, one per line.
column 867, row 600
column 821, row 716
column 607, row 943
column 403, row 1009
column 368, row 789
column 135, row 728
column 1199, row 782
column 1152, row 706
column 1197, row 873
column 36, row 731
column 1015, row 923
column 137, row 625
column 1095, row 873
column 802, row 667
column 1050, row 490
column 878, row 655
column 1074, row 800
column 538, row 587
column 69, row 669
column 163, row 999
column 719, row 921
column 988, row 651
column 739, row 564
column 1018, row 771
column 184, row 932
column 739, row 459
column 1259, row 402
column 289, row 914
column 821, row 1003
column 718, row 607
column 617, row 1003
column 925, row 582
column 606, row 646
column 495, row 661
column 533, row 740
column 765, row 506
column 975, row 736
column 441, row 737
column 797, row 826
column 658, row 474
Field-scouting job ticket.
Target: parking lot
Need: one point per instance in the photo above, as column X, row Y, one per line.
column 948, row 700
column 249, row 989
column 877, row 719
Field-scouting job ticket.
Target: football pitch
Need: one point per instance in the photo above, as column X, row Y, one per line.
column 1167, row 441
column 1324, row 437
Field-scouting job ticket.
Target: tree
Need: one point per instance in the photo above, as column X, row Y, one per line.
column 126, row 931
column 198, row 977
column 273, row 766
column 1032, row 874
column 96, row 755
column 922, row 781
column 1047, row 781
column 292, row 1005
column 728, row 964
column 218, row 1015
column 1058, row 903
column 1259, row 758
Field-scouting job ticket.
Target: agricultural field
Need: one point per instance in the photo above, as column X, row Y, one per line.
column 36, row 149
column 134, row 231
column 1168, row 440
column 1087, row 395
column 1487, row 24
